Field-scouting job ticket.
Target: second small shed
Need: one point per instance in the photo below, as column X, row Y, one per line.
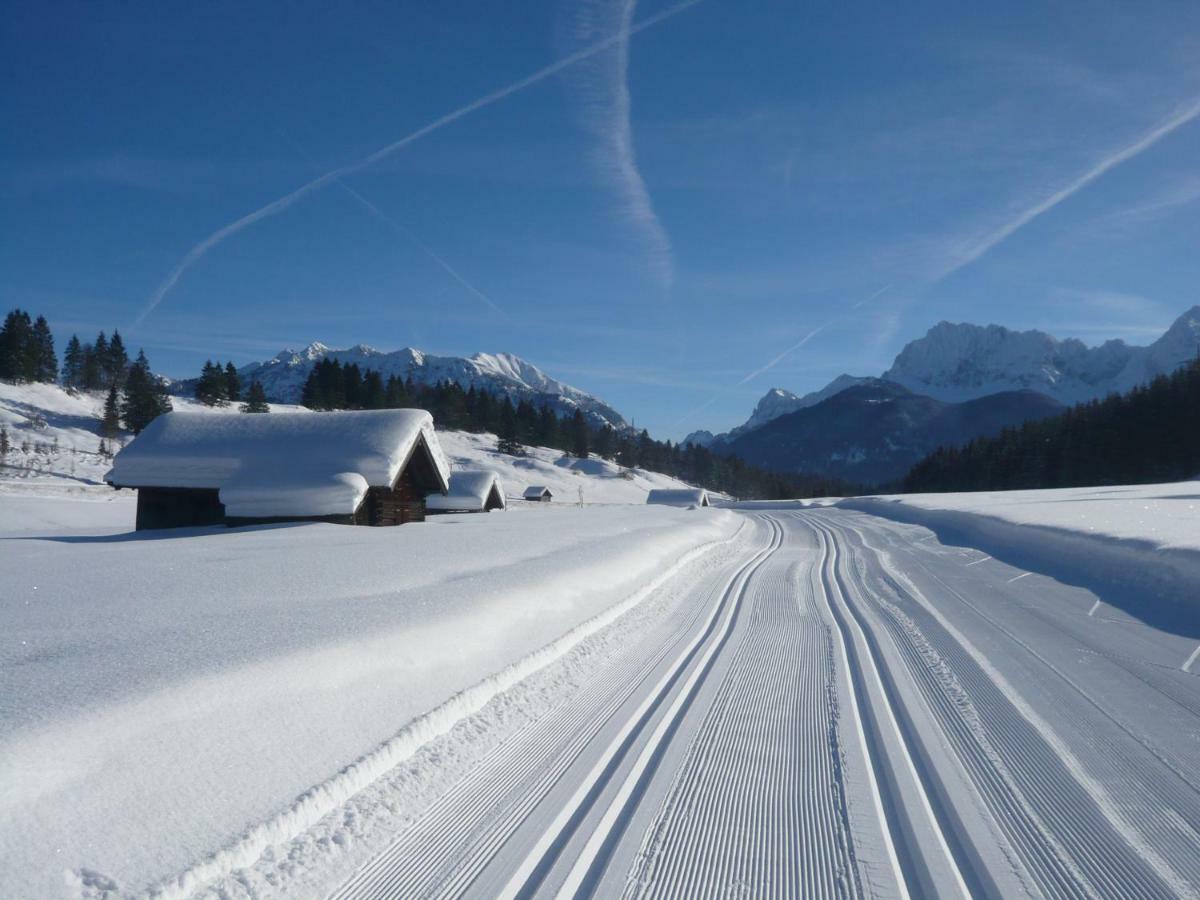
column 685, row 497
column 470, row 492
column 538, row 493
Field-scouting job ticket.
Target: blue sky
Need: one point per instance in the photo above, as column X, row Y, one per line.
column 656, row 222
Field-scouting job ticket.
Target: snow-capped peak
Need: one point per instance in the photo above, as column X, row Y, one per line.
column 502, row 374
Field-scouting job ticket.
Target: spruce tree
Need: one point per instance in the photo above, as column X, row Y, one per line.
column 116, row 360
column 42, row 349
column 233, row 383
column 73, row 363
column 579, row 435
column 101, row 361
column 311, row 395
column 507, row 441
column 5, row 445
column 89, row 374
column 211, row 387
column 145, row 397
column 396, row 397
column 18, row 350
column 374, row 394
column 111, row 423
column 256, row 399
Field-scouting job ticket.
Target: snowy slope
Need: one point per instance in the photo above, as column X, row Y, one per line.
column 42, row 414
column 501, row 374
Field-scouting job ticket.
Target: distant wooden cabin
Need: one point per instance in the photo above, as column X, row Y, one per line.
column 470, row 492
column 356, row 468
column 538, row 493
column 684, row 497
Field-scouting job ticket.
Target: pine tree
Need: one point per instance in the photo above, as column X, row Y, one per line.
column 5, row 445
column 111, row 423
column 579, row 435
column 233, row 383
column 256, row 399
column 18, row 352
column 42, row 349
column 311, row 395
column 396, row 397
column 145, row 398
column 116, row 361
column 507, row 441
column 100, row 360
column 211, row 386
column 73, row 363
column 373, row 391
column 89, row 373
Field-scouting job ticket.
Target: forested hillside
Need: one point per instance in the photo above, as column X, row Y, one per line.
column 1151, row 434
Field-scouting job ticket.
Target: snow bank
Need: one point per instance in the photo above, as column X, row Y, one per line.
column 175, row 702
column 1138, row 546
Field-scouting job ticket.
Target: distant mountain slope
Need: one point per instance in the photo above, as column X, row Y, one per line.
column 501, row 374
column 955, row 362
column 873, row 432
column 775, row 403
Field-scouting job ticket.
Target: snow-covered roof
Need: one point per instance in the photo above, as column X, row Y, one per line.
column 469, row 490
column 678, row 497
column 280, row 464
column 537, row 491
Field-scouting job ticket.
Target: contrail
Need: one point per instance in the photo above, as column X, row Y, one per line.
column 404, row 232
column 276, row 206
column 608, row 118
column 1173, row 122
column 778, row 359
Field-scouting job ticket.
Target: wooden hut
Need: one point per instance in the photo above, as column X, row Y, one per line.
column 684, row 497
column 538, row 493
column 470, row 492
column 357, row 468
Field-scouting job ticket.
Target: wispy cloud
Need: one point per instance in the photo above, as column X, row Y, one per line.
column 1143, row 142
column 277, row 206
column 607, row 106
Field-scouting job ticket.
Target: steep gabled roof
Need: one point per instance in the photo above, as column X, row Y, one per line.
column 282, row 464
column 537, row 491
column 469, row 490
column 678, row 497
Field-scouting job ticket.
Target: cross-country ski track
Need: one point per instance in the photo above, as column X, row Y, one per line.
column 836, row 706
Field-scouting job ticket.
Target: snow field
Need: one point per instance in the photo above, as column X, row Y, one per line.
column 210, row 680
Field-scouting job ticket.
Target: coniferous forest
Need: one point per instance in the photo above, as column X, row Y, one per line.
column 1151, row 434
column 331, row 385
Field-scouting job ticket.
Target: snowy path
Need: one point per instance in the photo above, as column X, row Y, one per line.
column 839, row 707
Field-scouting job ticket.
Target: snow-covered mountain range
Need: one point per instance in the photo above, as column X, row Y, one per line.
column 501, row 374
column 955, row 362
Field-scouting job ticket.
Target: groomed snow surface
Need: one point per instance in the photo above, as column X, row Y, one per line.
column 897, row 697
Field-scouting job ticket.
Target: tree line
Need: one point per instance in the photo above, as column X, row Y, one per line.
column 332, row 385
column 219, row 386
column 1151, row 434
column 135, row 395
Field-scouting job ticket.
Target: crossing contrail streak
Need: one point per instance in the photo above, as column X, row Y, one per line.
column 279, row 205
column 778, row 359
column 425, row 248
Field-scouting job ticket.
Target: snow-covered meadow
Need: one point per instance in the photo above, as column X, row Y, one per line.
column 228, row 687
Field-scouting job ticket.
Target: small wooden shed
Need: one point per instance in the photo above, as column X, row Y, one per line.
column 471, row 491
column 684, row 497
column 352, row 467
column 538, row 493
